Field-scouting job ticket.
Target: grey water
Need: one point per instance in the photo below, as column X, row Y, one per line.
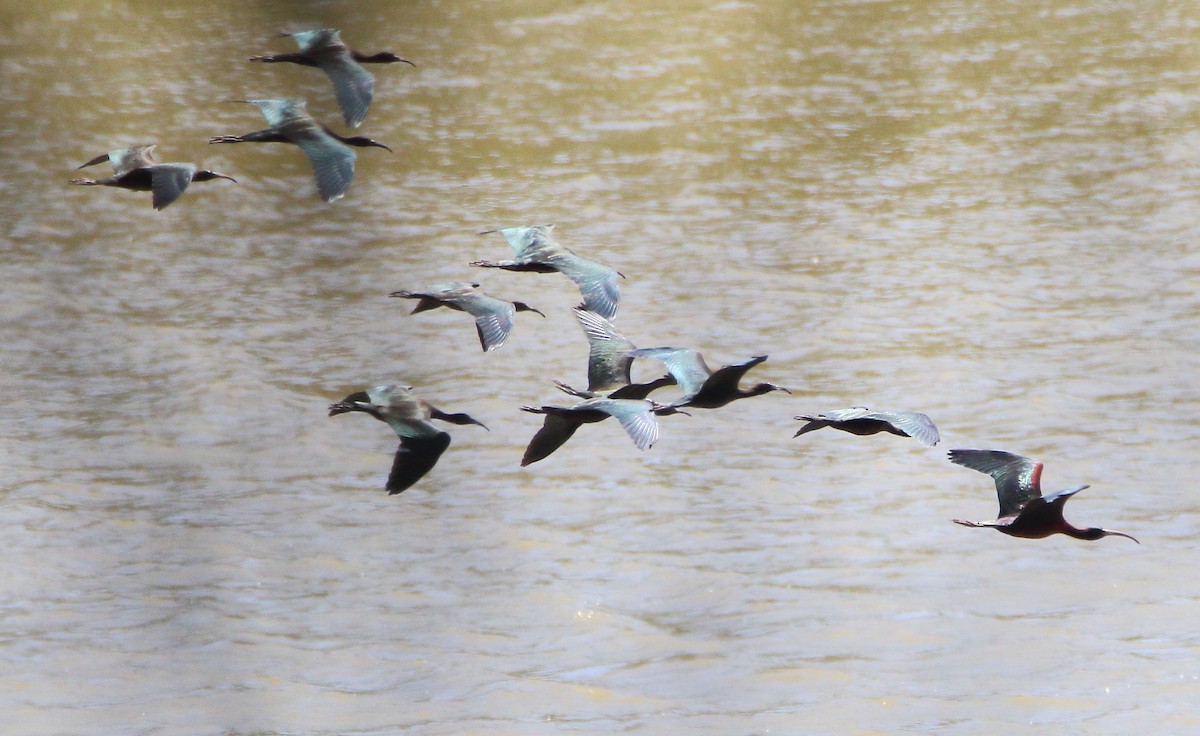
column 985, row 211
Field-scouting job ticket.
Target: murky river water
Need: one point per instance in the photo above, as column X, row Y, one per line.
column 985, row 211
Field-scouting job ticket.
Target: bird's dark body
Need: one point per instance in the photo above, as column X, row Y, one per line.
column 860, row 427
column 526, row 266
column 864, row 427
column 641, row 390
column 295, row 58
column 1038, row 520
column 138, row 180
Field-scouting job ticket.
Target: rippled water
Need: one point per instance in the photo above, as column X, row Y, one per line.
column 980, row 210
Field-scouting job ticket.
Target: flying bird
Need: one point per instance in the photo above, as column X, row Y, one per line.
column 534, row 250
column 352, row 84
column 330, row 154
column 635, row 415
column 1024, row 511
column 704, row 388
column 609, row 363
column 421, row 443
column 134, row 168
column 862, row 421
column 493, row 317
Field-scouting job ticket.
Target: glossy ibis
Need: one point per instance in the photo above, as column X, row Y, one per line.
column 609, row 362
column 135, row 168
column 635, row 415
column 862, row 421
column 1024, row 511
column 421, row 443
column 536, row 251
column 352, row 84
column 493, row 317
column 704, row 388
column 330, row 154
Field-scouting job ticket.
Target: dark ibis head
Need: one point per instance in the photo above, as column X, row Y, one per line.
column 759, row 389
column 460, row 419
column 523, row 307
column 207, row 175
column 384, row 57
column 663, row 410
column 363, row 142
column 1094, row 533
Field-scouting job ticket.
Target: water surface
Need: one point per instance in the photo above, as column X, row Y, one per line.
column 980, row 210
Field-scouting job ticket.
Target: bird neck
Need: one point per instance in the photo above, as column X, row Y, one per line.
column 206, row 175
column 1094, row 533
column 456, row 418
column 356, row 140
column 1090, row 534
column 383, row 57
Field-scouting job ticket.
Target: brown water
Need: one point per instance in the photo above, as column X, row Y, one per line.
column 981, row 210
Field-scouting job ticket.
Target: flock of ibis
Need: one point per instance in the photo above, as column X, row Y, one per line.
column 329, row 153
column 1024, row 510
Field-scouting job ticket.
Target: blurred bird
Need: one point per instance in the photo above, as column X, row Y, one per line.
column 329, row 153
column 635, row 415
column 135, row 168
column 1024, row 512
column 609, row 363
column 493, row 317
column 862, row 421
column 704, row 388
column 535, row 251
column 352, row 84
column 421, row 443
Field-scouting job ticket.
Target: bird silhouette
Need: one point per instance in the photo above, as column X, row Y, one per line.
column 134, row 168
column 330, row 154
column 704, row 388
column 862, row 421
column 1024, row 511
column 493, row 317
column 635, row 415
column 609, row 363
column 534, row 250
column 421, row 443
column 352, row 84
